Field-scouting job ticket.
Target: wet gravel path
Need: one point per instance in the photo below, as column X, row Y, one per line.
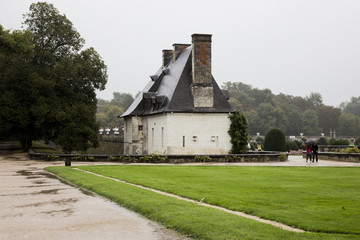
column 36, row 205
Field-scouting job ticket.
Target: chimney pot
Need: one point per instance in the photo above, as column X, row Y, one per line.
column 178, row 47
column 167, row 55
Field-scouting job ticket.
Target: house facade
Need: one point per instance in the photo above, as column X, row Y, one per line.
column 182, row 110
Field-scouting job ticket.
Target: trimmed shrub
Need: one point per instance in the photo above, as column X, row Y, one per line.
column 334, row 141
column 275, row 140
column 238, row 132
column 351, row 150
column 322, row 141
column 291, row 145
column 259, row 140
column 253, row 146
column 298, row 143
column 202, row 158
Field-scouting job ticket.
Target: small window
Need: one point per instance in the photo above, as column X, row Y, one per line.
column 162, row 137
column 140, row 127
column 183, row 141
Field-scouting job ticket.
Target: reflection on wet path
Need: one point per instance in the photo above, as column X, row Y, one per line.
column 36, row 205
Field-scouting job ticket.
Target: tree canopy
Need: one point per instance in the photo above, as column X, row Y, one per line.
column 352, row 107
column 50, row 93
column 293, row 115
column 108, row 112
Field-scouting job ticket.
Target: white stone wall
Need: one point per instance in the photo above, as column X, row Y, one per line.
column 178, row 133
column 188, row 133
column 133, row 136
column 157, row 134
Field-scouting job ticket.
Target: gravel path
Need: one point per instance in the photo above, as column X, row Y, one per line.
column 35, row 205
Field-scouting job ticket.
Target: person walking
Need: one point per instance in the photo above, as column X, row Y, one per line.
column 314, row 149
column 308, row 152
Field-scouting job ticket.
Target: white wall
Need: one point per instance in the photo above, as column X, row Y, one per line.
column 133, row 137
column 188, row 133
column 157, row 134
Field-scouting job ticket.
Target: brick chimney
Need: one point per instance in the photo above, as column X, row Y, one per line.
column 178, row 47
column 167, row 56
column 202, row 87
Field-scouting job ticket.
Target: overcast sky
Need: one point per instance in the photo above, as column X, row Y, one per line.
column 290, row 47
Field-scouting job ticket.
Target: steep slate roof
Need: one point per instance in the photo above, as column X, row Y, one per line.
column 169, row 90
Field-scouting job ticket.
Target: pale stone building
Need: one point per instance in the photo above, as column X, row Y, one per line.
column 182, row 110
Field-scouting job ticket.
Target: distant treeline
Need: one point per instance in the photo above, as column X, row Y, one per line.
column 293, row 115
column 265, row 110
column 108, row 111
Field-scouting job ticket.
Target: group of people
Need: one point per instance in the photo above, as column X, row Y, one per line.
column 312, row 152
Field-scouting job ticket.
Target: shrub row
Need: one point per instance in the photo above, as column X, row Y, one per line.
column 154, row 158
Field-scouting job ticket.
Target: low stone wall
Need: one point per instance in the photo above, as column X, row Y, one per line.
column 340, row 157
column 333, row 148
column 249, row 157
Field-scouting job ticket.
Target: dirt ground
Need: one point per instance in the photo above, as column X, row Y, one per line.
column 36, row 205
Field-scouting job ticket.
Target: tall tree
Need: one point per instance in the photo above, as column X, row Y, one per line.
column 21, row 111
column 53, row 34
column 352, row 107
column 328, row 117
column 315, row 99
column 349, row 125
column 123, row 100
column 59, row 85
column 310, row 123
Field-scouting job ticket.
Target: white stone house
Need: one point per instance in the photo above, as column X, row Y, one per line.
column 182, row 110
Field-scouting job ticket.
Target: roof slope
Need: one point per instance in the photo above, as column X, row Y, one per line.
column 169, row 90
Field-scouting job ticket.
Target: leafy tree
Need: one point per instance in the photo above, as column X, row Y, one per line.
column 270, row 117
column 292, row 115
column 275, row 140
column 310, row 123
column 349, row 125
column 73, row 74
column 55, row 92
column 238, row 132
column 108, row 116
column 294, row 120
column 352, row 107
column 235, row 104
column 52, row 33
column 357, row 141
column 122, row 100
column 328, row 117
column 301, row 104
column 21, row 107
column 108, row 111
column 315, row 99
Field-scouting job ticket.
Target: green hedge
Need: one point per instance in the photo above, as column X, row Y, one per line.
column 275, row 140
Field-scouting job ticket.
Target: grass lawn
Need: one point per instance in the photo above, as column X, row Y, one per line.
column 324, row 201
